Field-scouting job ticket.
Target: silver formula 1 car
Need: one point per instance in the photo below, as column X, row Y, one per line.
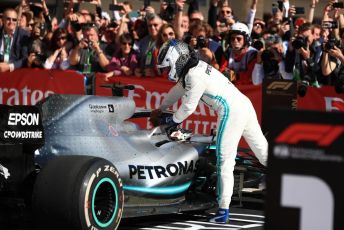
column 97, row 166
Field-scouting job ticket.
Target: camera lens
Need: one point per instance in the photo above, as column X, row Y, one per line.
column 302, row 89
column 201, row 43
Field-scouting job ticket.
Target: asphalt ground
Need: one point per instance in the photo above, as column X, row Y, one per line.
column 240, row 218
column 249, row 216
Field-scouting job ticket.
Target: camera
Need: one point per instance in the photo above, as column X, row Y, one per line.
column 299, row 42
column 170, row 11
column 331, row 43
column 302, row 89
column 258, row 44
column 338, row 5
column 39, row 56
column 329, row 24
column 201, row 42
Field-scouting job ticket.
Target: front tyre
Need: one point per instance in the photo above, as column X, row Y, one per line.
column 78, row 192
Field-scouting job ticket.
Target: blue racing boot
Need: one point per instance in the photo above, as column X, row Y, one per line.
column 221, row 216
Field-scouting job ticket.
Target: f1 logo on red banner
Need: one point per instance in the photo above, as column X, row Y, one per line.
column 323, row 134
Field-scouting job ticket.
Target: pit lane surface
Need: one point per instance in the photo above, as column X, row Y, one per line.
column 239, row 219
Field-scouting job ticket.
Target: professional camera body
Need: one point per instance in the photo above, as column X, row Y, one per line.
column 302, row 88
column 201, row 42
column 170, row 11
column 258, row 44
column 331, row 43
column 299, row 42
column 329, row 24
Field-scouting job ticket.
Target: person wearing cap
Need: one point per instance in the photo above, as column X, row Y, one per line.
column 240, row 57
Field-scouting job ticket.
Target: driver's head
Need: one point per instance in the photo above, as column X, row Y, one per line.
column 173, row 57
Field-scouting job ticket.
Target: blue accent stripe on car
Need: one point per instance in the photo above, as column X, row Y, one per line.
column 219, row 137
column 168, row 190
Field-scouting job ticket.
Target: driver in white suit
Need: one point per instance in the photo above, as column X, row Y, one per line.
column 197, row 80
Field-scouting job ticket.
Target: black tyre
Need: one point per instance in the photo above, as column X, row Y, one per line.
column 78, row 192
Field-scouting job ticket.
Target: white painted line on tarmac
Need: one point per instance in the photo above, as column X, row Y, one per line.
column 252, row 226
column 245, row 220
column 250, row 215
column 215, row 224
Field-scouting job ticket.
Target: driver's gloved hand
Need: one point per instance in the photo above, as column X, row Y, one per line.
column 180, row 134
column 171, row 126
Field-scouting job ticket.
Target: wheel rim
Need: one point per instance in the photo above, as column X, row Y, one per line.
column 104, row 202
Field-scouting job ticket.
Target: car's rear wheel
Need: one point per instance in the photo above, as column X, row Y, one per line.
column 78, row 192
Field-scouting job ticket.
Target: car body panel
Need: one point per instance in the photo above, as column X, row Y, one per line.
column 99, row 126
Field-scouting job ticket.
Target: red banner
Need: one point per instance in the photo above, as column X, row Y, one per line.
column 29, row 86
column 322, row 99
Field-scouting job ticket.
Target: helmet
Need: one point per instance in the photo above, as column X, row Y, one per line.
column 173, row 55
column 240, row 28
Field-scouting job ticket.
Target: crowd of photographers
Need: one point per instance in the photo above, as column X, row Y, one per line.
column 289, row 43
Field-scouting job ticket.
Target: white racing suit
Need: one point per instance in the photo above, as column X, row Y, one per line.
column 236, row 118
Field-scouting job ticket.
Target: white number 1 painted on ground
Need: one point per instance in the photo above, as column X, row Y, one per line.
column 313, row 197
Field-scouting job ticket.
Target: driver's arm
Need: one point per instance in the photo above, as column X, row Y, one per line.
column 175, row 93
column 195, row 88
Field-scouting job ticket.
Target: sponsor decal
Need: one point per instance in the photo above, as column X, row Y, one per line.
column 283, row 88
column 280, row 85
column 334, row 104
column 323, row 134
column 143, row 172
column 111, row 108
column 23, row 119
column 208, row 70
column 95, row 108
column 24, row 96
column 4, row 171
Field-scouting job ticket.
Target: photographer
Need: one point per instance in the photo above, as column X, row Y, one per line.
column 332, row 64
column 36, row 56
column 208, row 50
column 90, row 55
column 302, row 58
column 270, row 62
column 168, row 9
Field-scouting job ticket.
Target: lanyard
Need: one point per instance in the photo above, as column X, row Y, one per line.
column 89, row 54
column 150, row 46
column 87, row 64
column 7, row 47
